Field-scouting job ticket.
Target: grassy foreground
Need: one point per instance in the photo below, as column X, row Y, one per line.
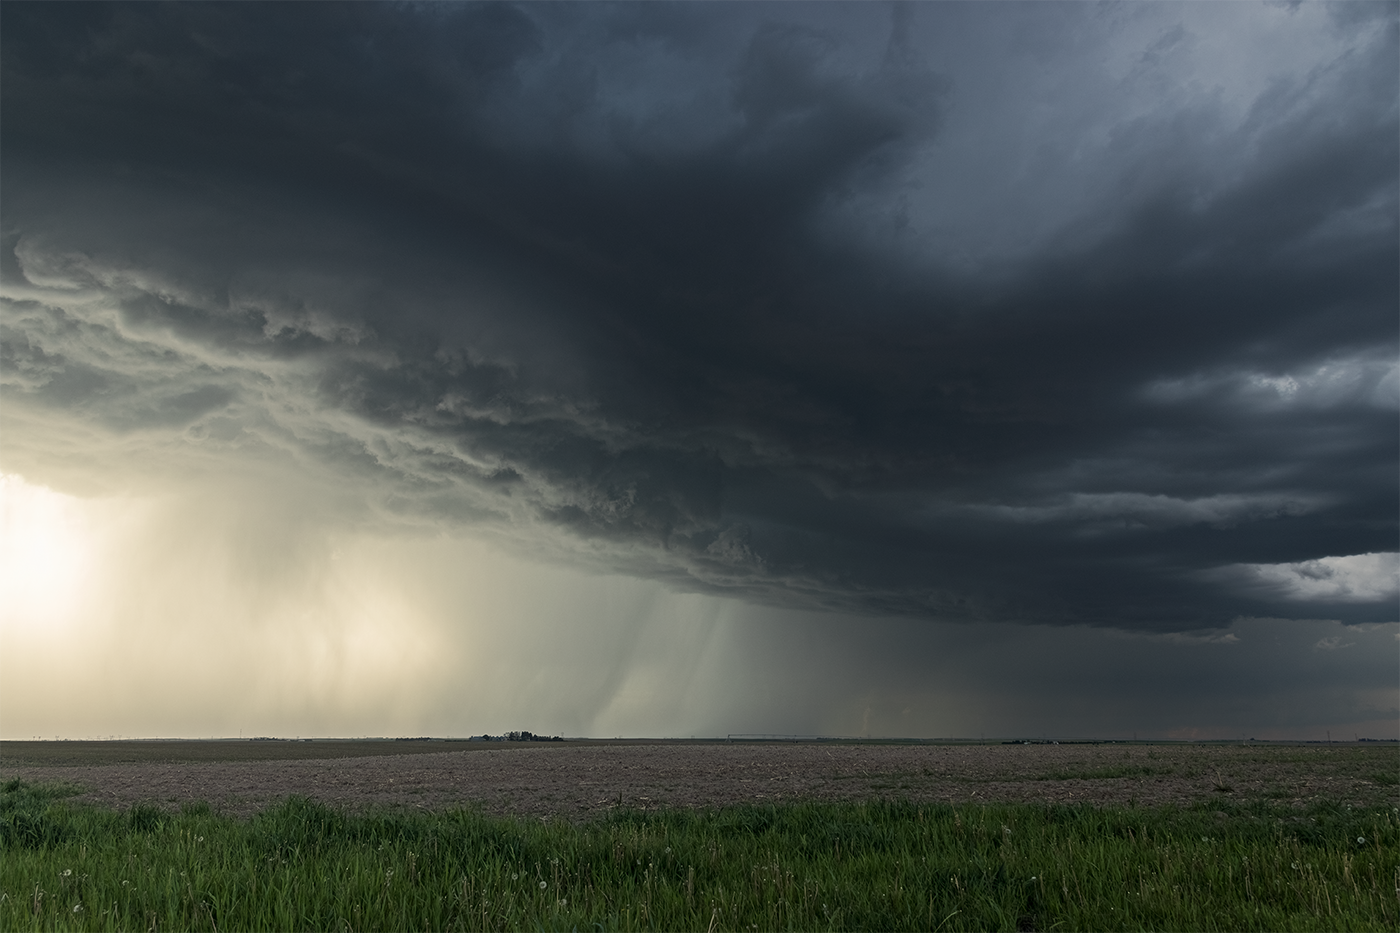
column 805, row 866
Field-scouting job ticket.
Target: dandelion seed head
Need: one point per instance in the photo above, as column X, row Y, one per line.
column 543, row 885
column 1361, row 840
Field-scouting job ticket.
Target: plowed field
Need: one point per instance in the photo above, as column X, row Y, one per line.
column 578, row 780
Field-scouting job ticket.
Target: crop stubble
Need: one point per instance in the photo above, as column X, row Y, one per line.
column 582, row 780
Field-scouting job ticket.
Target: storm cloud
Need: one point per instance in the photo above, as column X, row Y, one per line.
column 1078, row 315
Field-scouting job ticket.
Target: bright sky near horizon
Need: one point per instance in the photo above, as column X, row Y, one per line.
column 688, row 369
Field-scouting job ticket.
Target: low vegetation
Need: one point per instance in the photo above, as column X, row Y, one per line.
column 818, row 866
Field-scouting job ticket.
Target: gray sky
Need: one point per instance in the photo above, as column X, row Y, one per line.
column 927, row 369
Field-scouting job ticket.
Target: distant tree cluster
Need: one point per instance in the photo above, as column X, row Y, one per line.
column 519, row 737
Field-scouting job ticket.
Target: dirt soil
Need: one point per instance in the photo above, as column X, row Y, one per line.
column 583, row 780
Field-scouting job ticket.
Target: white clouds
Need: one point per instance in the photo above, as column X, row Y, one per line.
column 1371, row 381
column 1355, row 578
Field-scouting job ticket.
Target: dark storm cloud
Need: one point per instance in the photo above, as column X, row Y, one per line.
column 647, row 285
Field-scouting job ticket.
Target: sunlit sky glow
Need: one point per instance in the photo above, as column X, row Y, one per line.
column 688, row 369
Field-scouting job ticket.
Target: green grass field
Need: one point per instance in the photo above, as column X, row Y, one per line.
column 303, row 866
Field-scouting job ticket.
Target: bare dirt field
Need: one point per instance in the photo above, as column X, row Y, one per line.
column 579, row 780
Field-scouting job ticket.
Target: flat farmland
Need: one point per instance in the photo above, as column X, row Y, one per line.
column 581, row 780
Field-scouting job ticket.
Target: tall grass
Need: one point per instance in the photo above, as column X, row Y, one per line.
column 812, row 866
